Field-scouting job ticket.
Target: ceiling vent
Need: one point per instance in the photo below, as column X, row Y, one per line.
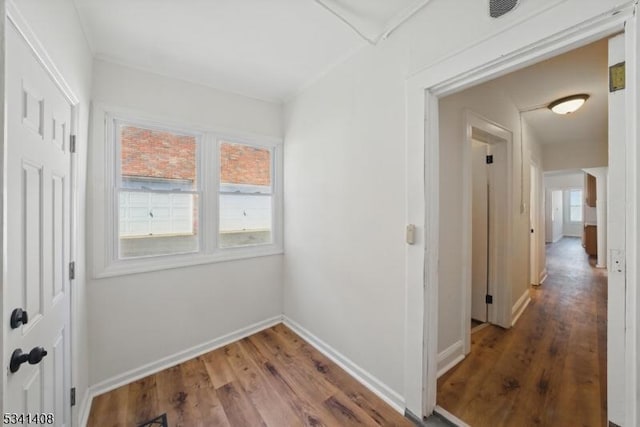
column 497, row 8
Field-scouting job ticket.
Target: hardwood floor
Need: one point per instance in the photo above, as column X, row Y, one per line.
column 272, row 378
column 550, row 368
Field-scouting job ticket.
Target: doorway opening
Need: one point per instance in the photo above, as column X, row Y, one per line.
column 487, row 60
column 530, row 340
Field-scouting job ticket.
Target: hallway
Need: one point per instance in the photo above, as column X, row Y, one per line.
column 550, row 368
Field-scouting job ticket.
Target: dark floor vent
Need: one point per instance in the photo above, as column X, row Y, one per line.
column 160, row 421
column 497, row 8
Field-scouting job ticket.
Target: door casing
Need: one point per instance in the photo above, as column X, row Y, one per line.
column 478, row 64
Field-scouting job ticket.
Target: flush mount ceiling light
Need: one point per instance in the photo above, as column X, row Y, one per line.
column 569, row 104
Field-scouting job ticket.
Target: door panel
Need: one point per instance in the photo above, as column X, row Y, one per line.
column 479, row 230
column 38, row 167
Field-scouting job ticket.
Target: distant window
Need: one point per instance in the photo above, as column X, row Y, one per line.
column 575, row 205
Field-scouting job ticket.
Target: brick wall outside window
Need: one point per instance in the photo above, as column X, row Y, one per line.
column 159, row 154
column 242, row 164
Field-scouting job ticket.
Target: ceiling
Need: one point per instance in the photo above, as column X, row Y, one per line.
column 583, row 70
column 263, row 49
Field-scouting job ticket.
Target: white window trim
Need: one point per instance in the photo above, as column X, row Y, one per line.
column 569, row 205
column 105, row 249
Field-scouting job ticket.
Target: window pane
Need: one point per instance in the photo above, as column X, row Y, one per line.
column 576, row 213
column 157, row 223
column 245, row 168
column 576, row 198
column 155, row 159
column 245, row 199
column 245, row 219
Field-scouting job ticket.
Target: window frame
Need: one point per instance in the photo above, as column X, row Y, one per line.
column 118, row 188
column 108, row 263
column 570, row 206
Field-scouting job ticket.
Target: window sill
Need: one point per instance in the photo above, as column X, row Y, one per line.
column 148, row 265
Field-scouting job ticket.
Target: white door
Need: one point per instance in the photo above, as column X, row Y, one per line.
column 479, row 230
column 37, row 223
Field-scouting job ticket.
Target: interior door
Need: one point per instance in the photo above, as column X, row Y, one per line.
column 480, row 231
column 38, row 191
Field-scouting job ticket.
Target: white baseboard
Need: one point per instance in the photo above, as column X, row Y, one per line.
column 450, row 417
column 450, row 357
column 169, row 361
column 572, row 235
column 520, row 306
column 543, row 276
column 363, row 377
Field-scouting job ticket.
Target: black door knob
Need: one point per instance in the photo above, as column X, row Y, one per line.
column 17, row 359
column 19, row 317
column 34, row 357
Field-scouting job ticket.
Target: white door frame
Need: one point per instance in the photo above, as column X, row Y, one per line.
column 500, row 311
column 537, row 269
column 480, row 63
column 15, row 18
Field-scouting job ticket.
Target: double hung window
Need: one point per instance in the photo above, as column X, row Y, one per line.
column 575, row 205
column 182, row 196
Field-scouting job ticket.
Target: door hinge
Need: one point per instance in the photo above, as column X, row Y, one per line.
column 490, row 159
column 488, row 299
column 73, row 396
column 72, row 270
column 72, row 143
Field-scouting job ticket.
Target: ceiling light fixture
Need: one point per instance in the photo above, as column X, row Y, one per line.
column 568, row 104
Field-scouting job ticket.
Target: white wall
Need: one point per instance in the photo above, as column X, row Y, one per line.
column 560, row 156
column 345, row 186
column 57, row 27
column 138, row 319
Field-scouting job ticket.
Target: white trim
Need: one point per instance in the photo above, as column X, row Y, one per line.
column 499, row 265
column 450, row 357
column 365, row 378
column 85, row 408
column 520, row 306
column 180, row 357
column 476, row 64
column 29, row 36
column 168, row 262
column 543, row 276
column 450, row 417
column 632, row 220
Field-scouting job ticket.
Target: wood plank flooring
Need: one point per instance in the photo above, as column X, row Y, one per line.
column 550, row 368
column 272, row 378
